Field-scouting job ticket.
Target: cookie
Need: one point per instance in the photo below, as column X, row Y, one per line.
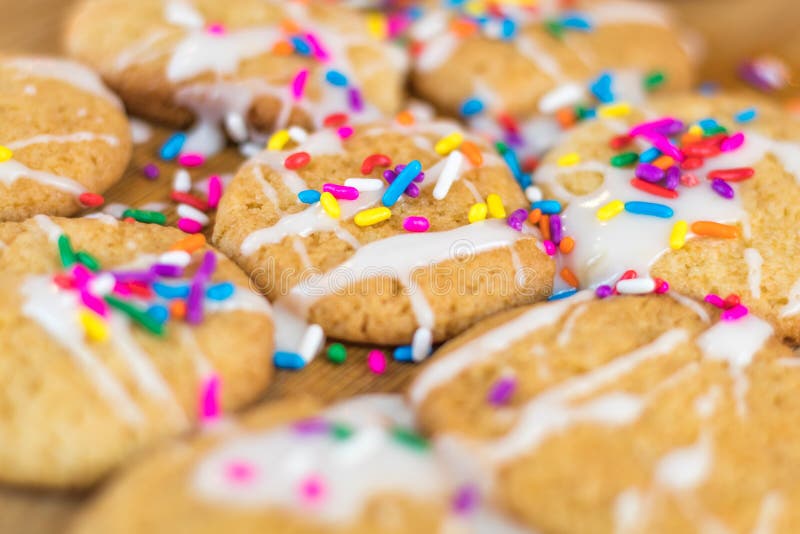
column 703, row 195
column 249, row 65
column 630, row 414
column 378, row 263
column 114, row 336
column 355, row 467
column 522, row 61
column 64, row 137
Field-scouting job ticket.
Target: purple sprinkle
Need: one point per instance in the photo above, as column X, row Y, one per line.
column 124, row 277
column 672, row 178
column 514, row 139
column 722, row 188
column 356, row 102
column 603, row 291
column 502, row 390
column 151, row 171
column 750, row 73
column 737, row 312
column 207, row 267
column 412, row 190
column 649, row 173
column 315, row 425
column 555, row 229
column 675, row 127
column 420, row 177
column 516, row 219
column 166, row 270
column 389, row 175
column 194, row 304
column 466, row 499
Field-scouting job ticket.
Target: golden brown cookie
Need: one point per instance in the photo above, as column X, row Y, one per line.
column 64, row 137
column 716, row 216
column 241, row 63
column 630, row 414
column 356, row 467
column 375, row 264
column 114, row 336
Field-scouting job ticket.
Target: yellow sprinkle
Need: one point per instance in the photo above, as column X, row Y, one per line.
column 278, row 140
column 614, row 110
column 477, row 212
column 610, row 210
column 475, row 7
column 376, row 24
column 495, row 205
column 566, row 160
column 330, row 205
column 5, row 154
column 372, row 216
column 448, row 143
column 695, row 129
column 677, row 238
column 93, row 325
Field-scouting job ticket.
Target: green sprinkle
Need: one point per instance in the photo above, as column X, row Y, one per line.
column 88, row 260
column 340, row 431
column 144, row 216
column 501, row 147
column 554, row 28
column 654, row 79
column 409, row 438
column 582, row 112
column 337, row 353
column 137, row 315
column 715, row 130
column 65, row 251
column 624, row 159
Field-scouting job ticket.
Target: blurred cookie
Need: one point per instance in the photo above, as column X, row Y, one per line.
column 64, row 137
column 115, row 335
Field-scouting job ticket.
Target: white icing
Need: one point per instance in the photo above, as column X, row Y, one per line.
column 141, row 132
column 792, row 307
column 12, row 170
column 754, row 262
column 77, row 137
column 49, row 227
column 772, row 505
column 686, row 468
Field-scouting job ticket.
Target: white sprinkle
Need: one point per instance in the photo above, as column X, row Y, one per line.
column 365, row 184
column 421, row 344
column 248, row 150
column 449, row 174
column 312, row 342
column 182, row 181
column 533, row 193
column 180, row 258
column 189, row 212
column 236, row 127
column 298, row 134
column 183, row 14
column 140, row 131
column 560, row 97
column 636, row 286
column 102, row 284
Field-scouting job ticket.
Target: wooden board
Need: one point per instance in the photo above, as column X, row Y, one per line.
column 34, row 26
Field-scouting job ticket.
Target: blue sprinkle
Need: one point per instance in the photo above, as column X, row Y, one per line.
column 649, row 155
column 309, row 196
column 524, row 181
column 166, row 291
column 708, row 88
column 471, row 107
column 158, row 312
column 403, row 353
column 300, row 46
column 576, row 21
column 601, row 88
column 708, row 124
column 512, row 161
column 288, row 360
column 220, row 291
column 562, row 294
column 508, row 29
column 746, row 115
column 548, row 207
column 649, row 208
column 172, row 147
column 336, row 78
column 591, row 113
column 396, row 188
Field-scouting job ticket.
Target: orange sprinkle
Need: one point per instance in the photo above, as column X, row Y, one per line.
column 177, row 309
column 664, row 162
column 712, row 229
column 566, row 245
column 569, row 277
column 290, row 26
column 406, row 118
column 544, row 226
column 190, row 243
column 463, row 27
column 283, row 48
column 535, row 215
column 690, row 138
column 566, row 117
column 472, row 152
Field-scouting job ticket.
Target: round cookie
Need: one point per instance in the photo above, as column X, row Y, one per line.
column 127, row 345
column 241, row 63
column 355, row 467
column 524, row 61
column 425, row 271
column 62, row 135
column 753, row 254
column 630, row 414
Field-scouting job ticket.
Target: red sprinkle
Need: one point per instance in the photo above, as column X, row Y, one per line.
column 662, row 286
column 530, row 164
column 732, row 300
column 191, row 200
column 621, row 141
column 375, row 160
column 700, row 151
column 629, row 275
column 91, row 200
column 508, row 123
column 297, row 160
column 64, row 281
column 690, row 164
column 653, row 189
column 732, row 175
column 334, row 120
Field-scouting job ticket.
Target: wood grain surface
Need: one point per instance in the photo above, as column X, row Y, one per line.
column 34, row 26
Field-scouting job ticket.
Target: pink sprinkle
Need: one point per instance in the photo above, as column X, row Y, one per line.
column 549, row 247
column 81, row 274
column 342, row 192
column 732, row 143
column 191, row 159
column 715, row 300
column 662, row 287
column 240, row 472
column 737, row 312
column 122, row 289
column 376, row 360
column 416, row 224
column 209, row 399
column 214, row 191
column 190, row 226
column 299, row 84
column 662, row 143
column 216, row 28
column 312, row 489
column 345, row 131
column 95, row 304
column 652, row 126
column 689, row 180
column 319, row 51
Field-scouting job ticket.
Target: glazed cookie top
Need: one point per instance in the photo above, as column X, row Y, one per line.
column 111, row 330
column 268, row 63
column 356, row 467
column 358, row 219
column 701, row 191
column 614, row 414
column 64, row 137
column 524, row 59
